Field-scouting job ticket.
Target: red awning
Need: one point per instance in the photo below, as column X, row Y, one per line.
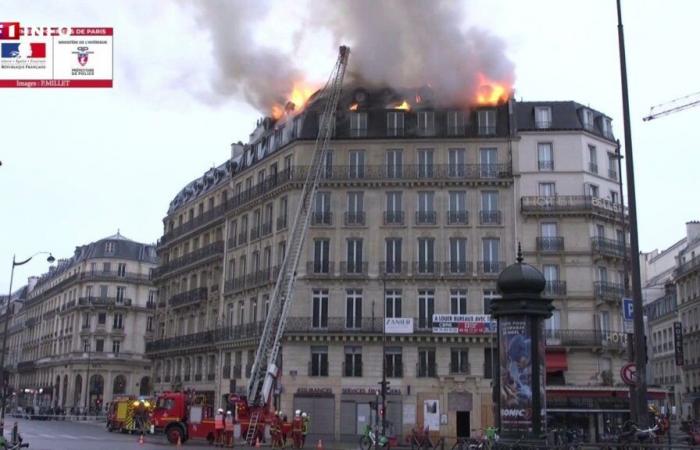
column 555, row 361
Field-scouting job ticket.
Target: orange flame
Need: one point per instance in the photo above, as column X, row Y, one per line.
column 404, row 106
column 301, row 91
column 354, row 106
column 492, row 92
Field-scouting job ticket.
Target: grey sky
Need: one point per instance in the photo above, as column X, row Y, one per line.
column 78, row 164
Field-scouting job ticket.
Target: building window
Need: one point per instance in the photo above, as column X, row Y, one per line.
column 354, row 256
column 394, row 163
column 106, row 267
column 490, row 254
column 587, row 115
column 356, row 212
column 425, row 213
column 319, row 361
column 426, row 255
column 458, row 301
column 121, row 290
column 319, row 313
column 99, row 345
column 352, row 366
column 282, row 219
column 489, row 296
column 393, row 362
column 591, row 190
column 489, row 214
column 356, row 168
column 543, row 117
column 358, row 124
column 486, row 122
column 121, row 269
column 322, row 255
column 149, row 323
column 456, row 162
column 116, row 346
column 353, row 308
column 394, row 123
column 426, row 363
column 457, row 208
column 426, row 123
column 425, row 163
column 592, row 159
column 606, row 125
column 394, row 209
column 545, row 156
column 426, row 308
column 547, row 189
column 459, row 360
column 101, row 318
column 553, row 324
column 393, row 303
column 393, row 255
column 86, row 345
column 241, row 312
column 455, row 123
column 488, row 162
column 118, row 322
column 109, row 247
column 458, row 255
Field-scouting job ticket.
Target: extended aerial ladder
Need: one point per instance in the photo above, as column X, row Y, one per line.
column 264, row 370
column 674, row 106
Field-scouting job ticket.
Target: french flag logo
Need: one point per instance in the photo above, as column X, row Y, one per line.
column 18, row 50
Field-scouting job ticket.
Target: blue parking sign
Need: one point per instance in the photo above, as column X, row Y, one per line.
column 628, row 308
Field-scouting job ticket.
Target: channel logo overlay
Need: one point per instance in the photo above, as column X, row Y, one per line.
column 55, row 57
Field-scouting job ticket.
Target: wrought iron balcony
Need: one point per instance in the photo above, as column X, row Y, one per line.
column 207, row 338
column 353, row 268
column 486, row 131
column 460, row 368
column 188, row 297
column 322, row 218
column 393, row 217
column 570, row 205
column 352, row 370
column 320, row 268
column 193, row 257
column 550, row 244
column 457, row 217
column 426, row 370
column 104, row 301
column 426, row 217
column 490, row 217
column 609, row 292
column 687, row 267
column 393, row 268
column 490, row 268
column 415, row 172
column 586, row 339
column 459, row 130
column 555, row 288
column 354, row 218
column 426, row 269
column 545, row 165
column 114, row 275
column 215, row 214
column 608, row 247
column 458, row 269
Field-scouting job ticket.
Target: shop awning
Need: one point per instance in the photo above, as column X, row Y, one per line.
column 555, row 361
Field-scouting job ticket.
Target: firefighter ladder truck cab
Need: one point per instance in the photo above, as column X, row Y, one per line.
column 174, row 415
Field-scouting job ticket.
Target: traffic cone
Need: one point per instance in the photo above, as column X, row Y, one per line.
column 179, row 441
column 141, row 440
column 319, row 446
column 257, row 443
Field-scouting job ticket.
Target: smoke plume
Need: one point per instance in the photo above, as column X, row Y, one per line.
column 397, row 43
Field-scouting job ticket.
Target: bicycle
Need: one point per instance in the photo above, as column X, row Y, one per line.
column 371, row 439
column 420, row 439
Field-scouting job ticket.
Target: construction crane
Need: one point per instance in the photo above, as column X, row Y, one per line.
column 674, row 106
column 264, row 370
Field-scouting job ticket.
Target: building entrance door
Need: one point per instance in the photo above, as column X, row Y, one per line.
column 463, row 424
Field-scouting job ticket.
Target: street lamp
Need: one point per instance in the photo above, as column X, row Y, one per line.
column 8, row 312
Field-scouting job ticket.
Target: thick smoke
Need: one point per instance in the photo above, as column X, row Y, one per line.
column 397, row 43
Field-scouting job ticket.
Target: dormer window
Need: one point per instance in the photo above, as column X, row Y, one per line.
column 587, row 116
column 486, row 119
column 394, row 123
column 543, row 117
column 426, row 123
column 606, row 126
column 358, row 124
column 455, row 123
column 109, row 247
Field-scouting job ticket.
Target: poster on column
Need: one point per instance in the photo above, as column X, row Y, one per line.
column 516, row 373
column 431, row 415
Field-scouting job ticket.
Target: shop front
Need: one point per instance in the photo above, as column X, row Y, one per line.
column 319, row 404
column 357, row 410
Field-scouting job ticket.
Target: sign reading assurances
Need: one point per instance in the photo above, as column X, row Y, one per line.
column 398, row 325
column 463, row 324
column 628, row 373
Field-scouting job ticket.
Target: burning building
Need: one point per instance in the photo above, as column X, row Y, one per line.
column 420, row 208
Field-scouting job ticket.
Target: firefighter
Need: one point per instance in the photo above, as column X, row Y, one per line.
column 276, row 431
column 228, row 426
column 219, row 428
column 284, row 426
column 305, row 422
column 296, row 429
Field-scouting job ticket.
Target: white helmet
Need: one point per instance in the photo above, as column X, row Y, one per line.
column 303, row 414
column 221, row 411
column 297, row 412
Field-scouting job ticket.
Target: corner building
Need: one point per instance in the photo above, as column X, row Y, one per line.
column 417, row 213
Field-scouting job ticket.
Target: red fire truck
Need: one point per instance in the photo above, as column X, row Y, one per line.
column 182, row 416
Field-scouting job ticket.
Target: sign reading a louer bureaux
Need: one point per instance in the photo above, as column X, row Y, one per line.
column 398, row 325
column 463, row 324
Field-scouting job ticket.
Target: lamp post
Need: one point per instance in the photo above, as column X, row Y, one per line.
column 88, row 346
column 8, row 312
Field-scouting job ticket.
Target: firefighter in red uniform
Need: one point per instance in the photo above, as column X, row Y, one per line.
column 296, row 429
column 219, row 428
column 276, row 431
column 228, row 428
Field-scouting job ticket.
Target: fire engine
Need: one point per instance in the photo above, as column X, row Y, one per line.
column 123, row 411
column 175, row 412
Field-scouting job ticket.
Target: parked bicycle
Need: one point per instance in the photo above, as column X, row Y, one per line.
column 420, row 439
column 371, row 439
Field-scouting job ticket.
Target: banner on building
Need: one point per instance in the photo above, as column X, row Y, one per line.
column 515, row 353
column 463, row 324
column 398, row 325
column 678, row 342
column 431, row 415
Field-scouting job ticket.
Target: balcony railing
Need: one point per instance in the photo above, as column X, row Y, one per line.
column 426, row 370
column 104, row 301
column 555, row 288
column 425, row 269
column 217, row 213
column 608, row 247
column 586, row 339
column 490, row 217
column 490, row 268
column 458, row 268
column 393, row 269
column 354, row 218
column 352, row 370
column 607, row 291
column 352, row 268
column 393, row 217
column 426, row 217
column 545, row 165
column 570, row 204
column 194, row 256
column 486, row 131
column 687, row 267
column 550, row 244
column 414, row 172
column 322, row 218
column 457, row 217
column 208, row 337
column 320, row 268
column 460, row 368
column 188, row 297
column 114, row 275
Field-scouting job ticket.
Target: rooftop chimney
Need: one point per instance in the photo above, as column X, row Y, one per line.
column 692, row 230
column 236, row 149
